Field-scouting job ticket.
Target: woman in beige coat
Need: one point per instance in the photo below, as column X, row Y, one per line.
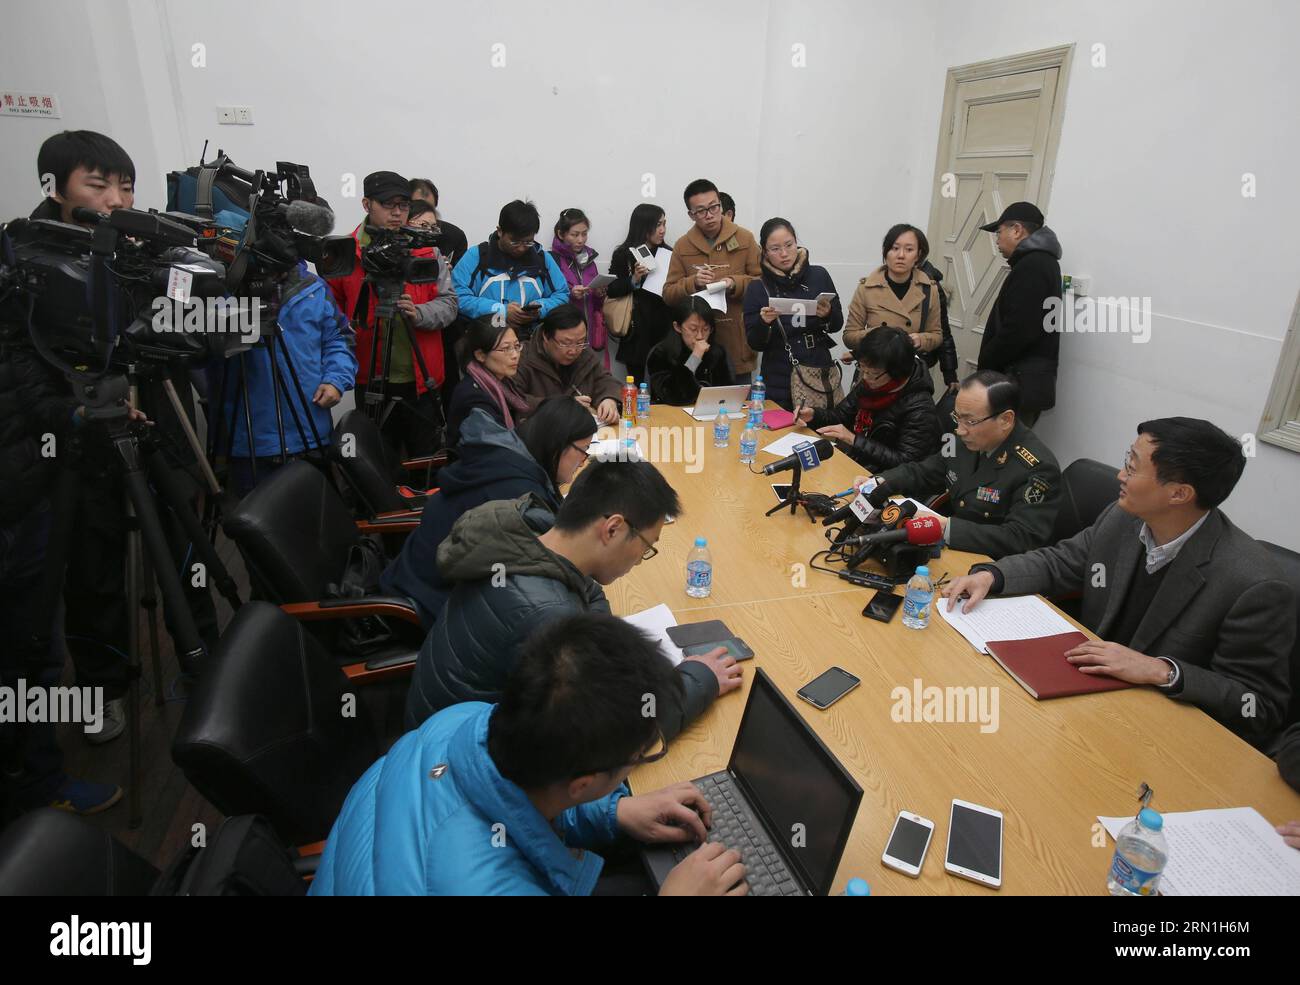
column 897, row 293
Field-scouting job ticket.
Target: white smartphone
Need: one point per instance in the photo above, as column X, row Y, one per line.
column 908, row 843
column 975, row 843
column 645, row 256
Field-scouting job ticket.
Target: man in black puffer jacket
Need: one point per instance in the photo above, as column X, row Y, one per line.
column 888, row 419
column 516, row 567
column 1016, row 339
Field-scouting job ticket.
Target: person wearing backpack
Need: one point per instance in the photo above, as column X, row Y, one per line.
column 509, row 275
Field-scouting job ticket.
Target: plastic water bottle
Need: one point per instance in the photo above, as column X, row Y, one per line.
column 721, row 427
column 755, row 414
column 757, row 392
column 643, row 404
column 1141, row 854
column 917, row 599
column 748, row 444
column 628, row 438
column 857, row 887
column 699, row 570
column 629, row 397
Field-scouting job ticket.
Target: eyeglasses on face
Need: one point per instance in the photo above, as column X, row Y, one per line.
column 970, row 422
column 659, row 745
column 704, row 210
column 650, row 549
column 510, row 347
column 578, row 345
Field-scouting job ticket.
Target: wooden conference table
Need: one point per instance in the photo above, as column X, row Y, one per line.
column 1051, row 766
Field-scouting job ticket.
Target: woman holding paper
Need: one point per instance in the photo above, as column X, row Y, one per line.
column 577, row 261
column 797, row 363
column 898, row 293
column 651, row 320
column 689, row 358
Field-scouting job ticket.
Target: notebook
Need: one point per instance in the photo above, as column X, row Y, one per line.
column 775, row 420
column 1040, row 667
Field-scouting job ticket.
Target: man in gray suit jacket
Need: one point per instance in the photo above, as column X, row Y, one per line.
column 1182, row 599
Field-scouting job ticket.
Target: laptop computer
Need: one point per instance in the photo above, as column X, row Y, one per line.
column 784, row 802
column 706, row 404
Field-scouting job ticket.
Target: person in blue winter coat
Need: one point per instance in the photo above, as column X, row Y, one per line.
column 314, row 332
column 495, row 463
column 510, row 275
column 513, row 798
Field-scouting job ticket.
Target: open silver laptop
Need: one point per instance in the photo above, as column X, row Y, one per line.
column 706, row 404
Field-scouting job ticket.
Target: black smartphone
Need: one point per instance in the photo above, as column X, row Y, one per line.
column 826, row 689
column 711, row 631
column 735, row 646
column 883, row 605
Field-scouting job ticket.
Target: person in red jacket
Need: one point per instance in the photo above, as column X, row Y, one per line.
column 411, row 418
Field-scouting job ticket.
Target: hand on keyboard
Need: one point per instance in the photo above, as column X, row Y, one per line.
column 675, row 813
column 710, row 870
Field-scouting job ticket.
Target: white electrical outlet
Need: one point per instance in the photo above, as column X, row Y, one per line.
column 226, row 114
column 1081, row 285
column 244, row 115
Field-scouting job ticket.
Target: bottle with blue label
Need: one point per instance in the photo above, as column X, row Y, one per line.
column 748, row 444
column 757, row 393
column 857, row 887
column 1141, row 854
column 643, row 404
column 917, row 600
column 699, row 570
column 721, row 427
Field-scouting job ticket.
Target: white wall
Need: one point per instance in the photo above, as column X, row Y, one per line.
column 1146, row 196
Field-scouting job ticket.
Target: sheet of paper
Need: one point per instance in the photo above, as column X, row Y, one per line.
column 1021, row 617
column 656, row 622
column 615, row 450
column 784, row 445
column 717, row 299
column 654, row 282
column 1228, row 852
column 791, row 306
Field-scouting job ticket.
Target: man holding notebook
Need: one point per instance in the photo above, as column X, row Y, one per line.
column 1182, row 599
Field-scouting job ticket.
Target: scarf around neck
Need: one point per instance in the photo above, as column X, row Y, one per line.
column 507, row 399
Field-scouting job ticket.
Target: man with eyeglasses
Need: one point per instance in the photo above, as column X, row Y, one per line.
column 514, row 566
column 1003, row 483
column 716, row 255
column 509, row 277
column 558, row 362
column 512, row 798
column 1183, row 600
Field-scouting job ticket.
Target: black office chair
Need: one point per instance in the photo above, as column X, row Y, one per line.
column 1088, row 487
column 275, row 727
column 359, row 452
column 50, row 852
column 1288, row 562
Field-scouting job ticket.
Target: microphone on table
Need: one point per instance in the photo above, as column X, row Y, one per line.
column 918, row 532
column 808, row 457
column 892, row 520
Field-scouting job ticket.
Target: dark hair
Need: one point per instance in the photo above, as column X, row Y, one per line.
column 891, row 237
column 63, row 153
column 698, row 187
column 644, row 221
column 1196, row 452
column 576, row 701
column 557, row 423
column 691, row 305
column 1003, row 392
column 562, row 316
column 422, row 185
column 418, row 207
column 519, row 218
column 728, row 203
column 637, row 491
column 482, row 335
column 771, row 226
column 570, row 218
column 887, row 348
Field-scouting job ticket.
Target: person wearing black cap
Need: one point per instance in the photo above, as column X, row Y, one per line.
column 1016, row 339
column 411, row 419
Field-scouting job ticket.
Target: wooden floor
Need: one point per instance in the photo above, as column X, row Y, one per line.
column 169, row 806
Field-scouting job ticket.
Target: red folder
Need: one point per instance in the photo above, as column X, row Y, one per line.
column 1040, row 667
column 777, row 419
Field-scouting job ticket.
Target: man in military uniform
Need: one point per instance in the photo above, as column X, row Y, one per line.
column 1003, row 483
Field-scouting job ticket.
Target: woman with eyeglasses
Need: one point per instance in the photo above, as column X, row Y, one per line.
column 888, row 418
column 899, row 293
column 541, row 455
column 577, row 261
column 689, row 357
column 490, row 357
column 796, row 345
column 650, row 321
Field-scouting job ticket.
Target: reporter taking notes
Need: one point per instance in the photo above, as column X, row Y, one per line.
column 1185, row 601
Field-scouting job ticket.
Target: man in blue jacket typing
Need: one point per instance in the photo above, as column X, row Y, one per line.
column 510, row 799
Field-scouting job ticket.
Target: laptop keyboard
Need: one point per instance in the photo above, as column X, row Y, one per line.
column 735, row 827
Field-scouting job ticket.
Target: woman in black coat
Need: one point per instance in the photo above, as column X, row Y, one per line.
column 688, row 358
column 889, row 417
column 650, row 316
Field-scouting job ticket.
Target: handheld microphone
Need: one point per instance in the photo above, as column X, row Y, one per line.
column 879, row 496
column 816, row 453
column 918, row 532
column 891, row 518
